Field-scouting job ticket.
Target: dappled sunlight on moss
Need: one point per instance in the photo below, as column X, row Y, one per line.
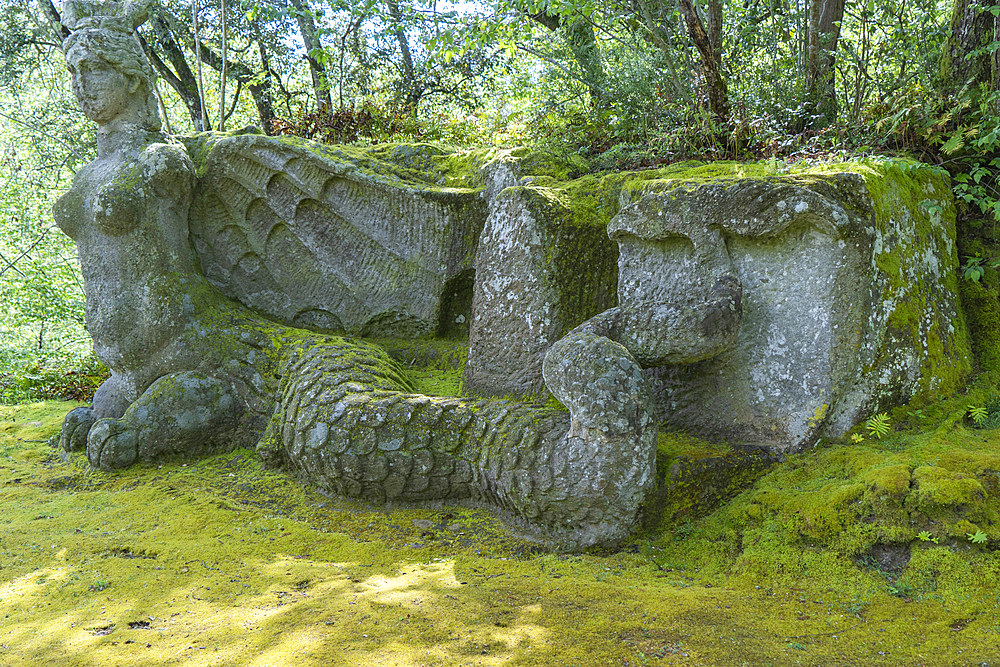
column 217, row 561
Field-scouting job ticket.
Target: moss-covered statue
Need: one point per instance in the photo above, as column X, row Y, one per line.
column 192, row 370
column 767, row 309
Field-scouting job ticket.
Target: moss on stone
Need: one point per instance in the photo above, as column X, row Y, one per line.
column 434, row 367
column 849, row 498
column 981, row 299
column 220, row 560
column 694, row 477
column 579, row 261
column 426, row 166
column 911, row 202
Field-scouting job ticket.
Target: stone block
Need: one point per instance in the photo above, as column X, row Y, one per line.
column 849, row 297
column 540, row 271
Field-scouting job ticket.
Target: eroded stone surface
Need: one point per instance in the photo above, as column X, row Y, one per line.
column 540, row 272
column 307, row 235
column 836, row 316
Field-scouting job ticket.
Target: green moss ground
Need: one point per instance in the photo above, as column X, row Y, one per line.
column 216, row 561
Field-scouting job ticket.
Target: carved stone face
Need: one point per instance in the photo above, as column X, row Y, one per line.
column 101, row 90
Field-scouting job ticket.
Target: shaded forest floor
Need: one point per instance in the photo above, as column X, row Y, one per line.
column 216, row 561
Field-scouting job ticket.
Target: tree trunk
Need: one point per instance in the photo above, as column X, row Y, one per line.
column 55, row 20
column 260, row 89
column 310, row 37
column 821, row 57
column 995, row 66
column 205, row 123
column 715, row 83
column 651, row 13
column 169, row 32
column 224, row 73
column 972, row 28
column 410, row 88
column 180, row 78
column 714, row 30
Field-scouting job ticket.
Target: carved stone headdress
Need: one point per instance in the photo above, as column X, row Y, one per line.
column 105, row 29
column 109, row 15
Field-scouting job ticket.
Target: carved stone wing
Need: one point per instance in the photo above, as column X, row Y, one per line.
column 331, row 238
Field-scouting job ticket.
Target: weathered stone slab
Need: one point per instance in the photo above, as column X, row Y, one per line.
column 315, row 237
column 541, row 270
column 849, row 297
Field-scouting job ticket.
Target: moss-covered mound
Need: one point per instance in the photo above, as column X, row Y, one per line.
column 218, row 562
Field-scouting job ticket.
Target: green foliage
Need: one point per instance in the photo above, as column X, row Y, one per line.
column 978, row 186
column 975, row 268
column 987, row 415
column 978, row 414
column 925, row 536
column 43, row 138
column 70, row 379
column 978, row 537
column 878, row 425
column 902, row 589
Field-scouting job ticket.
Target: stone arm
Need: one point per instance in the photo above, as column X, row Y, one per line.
column 659, row 333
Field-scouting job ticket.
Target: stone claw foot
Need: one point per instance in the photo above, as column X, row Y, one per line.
column 75, row 429
column 111, row 445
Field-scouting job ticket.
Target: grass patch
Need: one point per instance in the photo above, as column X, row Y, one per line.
column 216, row 561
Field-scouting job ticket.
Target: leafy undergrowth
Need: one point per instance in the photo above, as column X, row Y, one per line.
column 217, row 562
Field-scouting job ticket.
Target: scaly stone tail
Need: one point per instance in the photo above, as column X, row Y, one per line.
column 347, row 423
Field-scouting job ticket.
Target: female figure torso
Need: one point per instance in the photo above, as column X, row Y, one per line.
column 127, row 211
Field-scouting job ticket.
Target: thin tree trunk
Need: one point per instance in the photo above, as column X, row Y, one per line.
column 715, row 83
column 658, row 37
column 260, row 90
column 52, row 14
column 205, row 126
column 225, row 68
column 972, row 28
column 310, row 37
column 411, row 90
column 180, row 78
column 169, row 32
column 995, row 66
column 821, row 58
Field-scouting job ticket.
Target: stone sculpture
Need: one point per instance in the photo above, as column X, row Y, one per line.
column 193, row 370
column 846, row 310
column 769, row 310
column 360, row 265
column 219, row 271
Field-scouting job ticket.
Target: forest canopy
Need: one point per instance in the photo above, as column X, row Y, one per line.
column 622, row 85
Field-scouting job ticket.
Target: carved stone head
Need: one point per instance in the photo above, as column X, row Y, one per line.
column 111, row 75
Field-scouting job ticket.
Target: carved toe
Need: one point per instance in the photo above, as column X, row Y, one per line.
column 111, row 445
column 75, row 428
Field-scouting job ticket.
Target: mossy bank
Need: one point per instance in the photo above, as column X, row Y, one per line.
column 219, row 562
